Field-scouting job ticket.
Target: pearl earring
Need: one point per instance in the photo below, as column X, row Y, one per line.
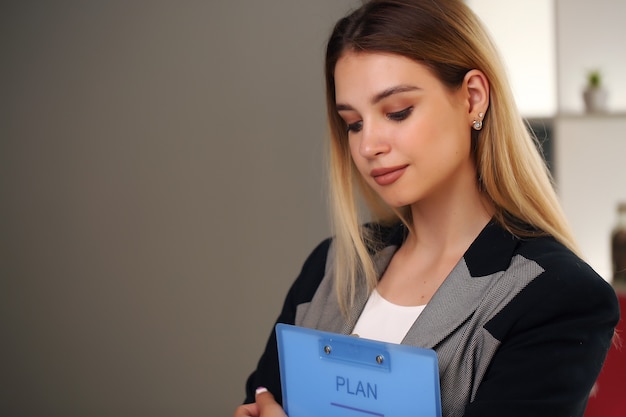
column 477, row 124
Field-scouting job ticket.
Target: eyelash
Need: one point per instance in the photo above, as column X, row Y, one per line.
column 355, row 127
column 395, row 116
column 400, row 115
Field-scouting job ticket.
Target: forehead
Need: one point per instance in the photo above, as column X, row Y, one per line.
column 363, row 74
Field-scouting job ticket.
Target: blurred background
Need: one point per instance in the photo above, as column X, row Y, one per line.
column 162, row 182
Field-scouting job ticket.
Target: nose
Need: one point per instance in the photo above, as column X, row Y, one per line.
column 373, row 141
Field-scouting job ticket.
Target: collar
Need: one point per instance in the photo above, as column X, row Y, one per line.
column 458, row 296
column 489, row 253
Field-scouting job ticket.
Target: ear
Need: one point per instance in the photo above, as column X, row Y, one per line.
column 476, row 86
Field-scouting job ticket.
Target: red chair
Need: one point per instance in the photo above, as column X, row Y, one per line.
column 609, row 396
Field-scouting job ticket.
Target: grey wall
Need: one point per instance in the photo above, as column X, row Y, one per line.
column 161, row 183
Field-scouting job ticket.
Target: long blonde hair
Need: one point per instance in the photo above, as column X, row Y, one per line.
column 448, row 38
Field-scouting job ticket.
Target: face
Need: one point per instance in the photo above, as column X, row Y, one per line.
column 409, row 135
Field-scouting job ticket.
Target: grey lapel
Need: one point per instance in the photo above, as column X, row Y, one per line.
column 456, row 299
column 323, row 312
column 461, row 295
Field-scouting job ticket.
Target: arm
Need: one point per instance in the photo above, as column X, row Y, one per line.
column 267, row 373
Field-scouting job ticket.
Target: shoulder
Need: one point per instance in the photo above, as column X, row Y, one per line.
column 561, row 267
column 311, row 274
column 314, row 267
column 540, row 260
column 567, row 286
column 552, row 333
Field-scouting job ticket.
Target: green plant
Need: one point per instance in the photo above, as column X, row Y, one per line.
column 594, row 79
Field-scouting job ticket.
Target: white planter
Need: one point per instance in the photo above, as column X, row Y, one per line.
column 595, row 100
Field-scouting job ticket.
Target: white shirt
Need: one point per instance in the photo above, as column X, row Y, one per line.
column 385, row 321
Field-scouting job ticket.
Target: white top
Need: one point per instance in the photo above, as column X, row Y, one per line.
column 385, row 321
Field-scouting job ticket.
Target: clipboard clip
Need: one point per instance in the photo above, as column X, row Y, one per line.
column 354, row 352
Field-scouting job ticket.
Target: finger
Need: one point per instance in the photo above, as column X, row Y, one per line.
column 247, row 410
column 267, row 404
column 264, row 397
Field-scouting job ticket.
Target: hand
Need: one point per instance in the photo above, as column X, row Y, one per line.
column 265, row 406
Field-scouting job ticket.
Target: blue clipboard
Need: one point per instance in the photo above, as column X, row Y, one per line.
column 334, row 375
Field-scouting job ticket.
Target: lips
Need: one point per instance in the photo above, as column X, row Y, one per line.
column 387, row 176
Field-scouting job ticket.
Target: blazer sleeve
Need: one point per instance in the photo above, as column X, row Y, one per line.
column 267, row 373
column 555, row 335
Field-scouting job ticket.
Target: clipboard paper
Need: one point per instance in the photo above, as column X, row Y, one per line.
column 332, row 375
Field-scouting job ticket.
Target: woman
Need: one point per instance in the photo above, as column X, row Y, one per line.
column 468, row 252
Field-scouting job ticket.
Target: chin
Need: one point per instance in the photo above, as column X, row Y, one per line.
column 397, row 204
column 396, row 201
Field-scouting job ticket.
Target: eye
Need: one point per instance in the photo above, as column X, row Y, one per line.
column 355, row 127
column 400, row 115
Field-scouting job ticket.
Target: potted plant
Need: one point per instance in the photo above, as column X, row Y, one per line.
column 594, row 95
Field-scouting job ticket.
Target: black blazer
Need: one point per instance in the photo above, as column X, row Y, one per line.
column 521, row 327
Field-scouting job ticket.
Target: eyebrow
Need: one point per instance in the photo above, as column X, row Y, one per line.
column 382, row 95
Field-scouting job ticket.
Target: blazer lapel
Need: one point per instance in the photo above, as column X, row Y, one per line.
column 458, row 297
column 454, row 302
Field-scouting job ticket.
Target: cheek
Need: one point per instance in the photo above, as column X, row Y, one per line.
column 353, row 145
column 446, row 135
column 419, row 136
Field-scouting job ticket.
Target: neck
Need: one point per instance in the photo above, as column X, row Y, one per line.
column 449, row 226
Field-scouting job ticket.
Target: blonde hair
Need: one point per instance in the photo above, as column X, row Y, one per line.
column 448, row 38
